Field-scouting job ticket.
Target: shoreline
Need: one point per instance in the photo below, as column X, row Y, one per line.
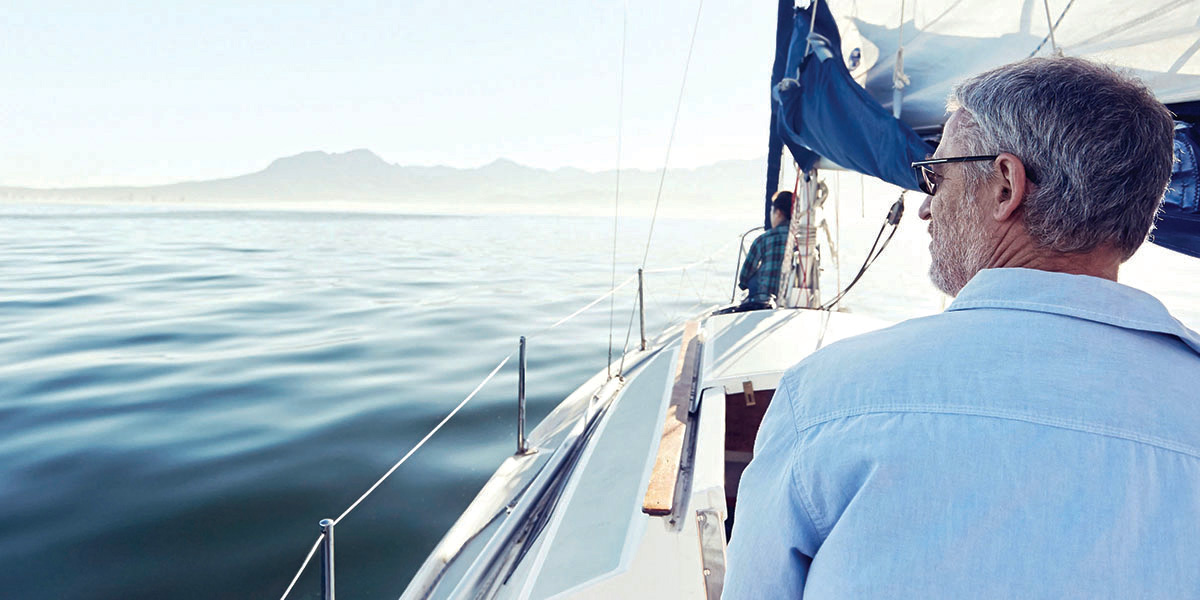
column 376, row 207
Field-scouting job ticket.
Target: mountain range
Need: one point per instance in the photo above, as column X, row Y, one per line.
column 360, row 176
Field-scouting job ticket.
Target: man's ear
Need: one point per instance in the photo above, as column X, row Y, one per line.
column 1008, row 189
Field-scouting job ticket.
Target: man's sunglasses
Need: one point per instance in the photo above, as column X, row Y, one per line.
column 928, row 179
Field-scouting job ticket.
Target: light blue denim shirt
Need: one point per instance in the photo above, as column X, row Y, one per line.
column 1038, row 439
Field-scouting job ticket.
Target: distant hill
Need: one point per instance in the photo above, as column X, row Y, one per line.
column 361, row 176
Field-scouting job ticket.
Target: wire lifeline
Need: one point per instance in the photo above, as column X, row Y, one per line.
column 617, row 196
column 628, row 332
column 320, row 538
column 662, row 179
column 633, row 313
column 587, row 306
column 704, row 261
column 671, row 138
column 424, row 439
column 683, row 271
column 468, row 399
column 479, row 387
column 683, row 277
column 704, row 285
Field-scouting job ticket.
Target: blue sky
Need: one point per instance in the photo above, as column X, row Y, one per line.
column 102, row 93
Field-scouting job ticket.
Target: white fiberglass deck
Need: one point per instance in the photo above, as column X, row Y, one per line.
column 569, row 523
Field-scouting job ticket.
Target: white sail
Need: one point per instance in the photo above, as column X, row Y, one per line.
column 946, row 41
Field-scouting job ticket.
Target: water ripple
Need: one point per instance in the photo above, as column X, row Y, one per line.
column 184, row 394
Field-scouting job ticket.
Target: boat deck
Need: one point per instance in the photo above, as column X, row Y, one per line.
column 569, row 521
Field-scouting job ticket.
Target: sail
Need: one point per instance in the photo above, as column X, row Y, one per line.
column 946, row 41
column 823, row 112
column 871, row 81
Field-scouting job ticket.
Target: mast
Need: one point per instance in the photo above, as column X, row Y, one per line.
column 783, row 39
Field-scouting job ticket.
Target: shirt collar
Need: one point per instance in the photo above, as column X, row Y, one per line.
column 1079, row 296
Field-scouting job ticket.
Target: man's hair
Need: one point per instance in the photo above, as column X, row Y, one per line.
column 1098, row 143
column 782, row 201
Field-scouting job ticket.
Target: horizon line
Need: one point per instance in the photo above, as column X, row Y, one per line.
column 272, row 162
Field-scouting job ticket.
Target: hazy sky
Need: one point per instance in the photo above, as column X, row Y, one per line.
column 100, row 93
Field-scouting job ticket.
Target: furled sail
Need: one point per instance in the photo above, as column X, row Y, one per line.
column 904, row 57
column 823, row 112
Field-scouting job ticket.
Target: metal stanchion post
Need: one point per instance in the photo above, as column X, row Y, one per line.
column 642, row 306
column 521, row 448
column 327, row 560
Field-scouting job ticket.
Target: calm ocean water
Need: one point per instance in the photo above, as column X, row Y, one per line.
column 185, row 393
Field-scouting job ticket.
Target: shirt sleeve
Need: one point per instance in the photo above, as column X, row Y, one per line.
column 774, row 538
column 750, row 265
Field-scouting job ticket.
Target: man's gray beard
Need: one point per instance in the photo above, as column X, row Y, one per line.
column 957, row 256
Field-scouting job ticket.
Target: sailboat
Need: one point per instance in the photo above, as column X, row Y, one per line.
column 628, row 488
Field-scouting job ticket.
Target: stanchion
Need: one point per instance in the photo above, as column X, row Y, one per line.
column 521, row 447
column 327, row 592
column 642, row 307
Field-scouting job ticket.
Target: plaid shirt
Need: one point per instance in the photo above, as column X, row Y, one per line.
column 764, row 261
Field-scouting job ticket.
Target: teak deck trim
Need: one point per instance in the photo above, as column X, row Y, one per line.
column 660, row 494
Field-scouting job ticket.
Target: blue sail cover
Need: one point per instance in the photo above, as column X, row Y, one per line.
column 823, row 112
column 1178, row 227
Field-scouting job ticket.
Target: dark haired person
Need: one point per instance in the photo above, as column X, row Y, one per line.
column 1038, row 439
column 760, row 271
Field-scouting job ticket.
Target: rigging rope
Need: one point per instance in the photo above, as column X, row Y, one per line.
column 671, row 139
column 1053, row 43
column 893, row 219
column 899, row 79
column 617, row 196
column 628, row 332
column 317, row 544
column 663, row 177
column 1050, row 35
column 423, row 440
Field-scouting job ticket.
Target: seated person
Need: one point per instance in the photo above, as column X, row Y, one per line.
column 760, row 271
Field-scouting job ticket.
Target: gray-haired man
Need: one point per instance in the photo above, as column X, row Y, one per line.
column 1040, row 438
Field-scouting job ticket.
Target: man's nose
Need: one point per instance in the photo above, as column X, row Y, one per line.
column 924, row 212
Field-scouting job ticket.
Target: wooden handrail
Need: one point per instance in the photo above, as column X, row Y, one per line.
column 660, row 494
